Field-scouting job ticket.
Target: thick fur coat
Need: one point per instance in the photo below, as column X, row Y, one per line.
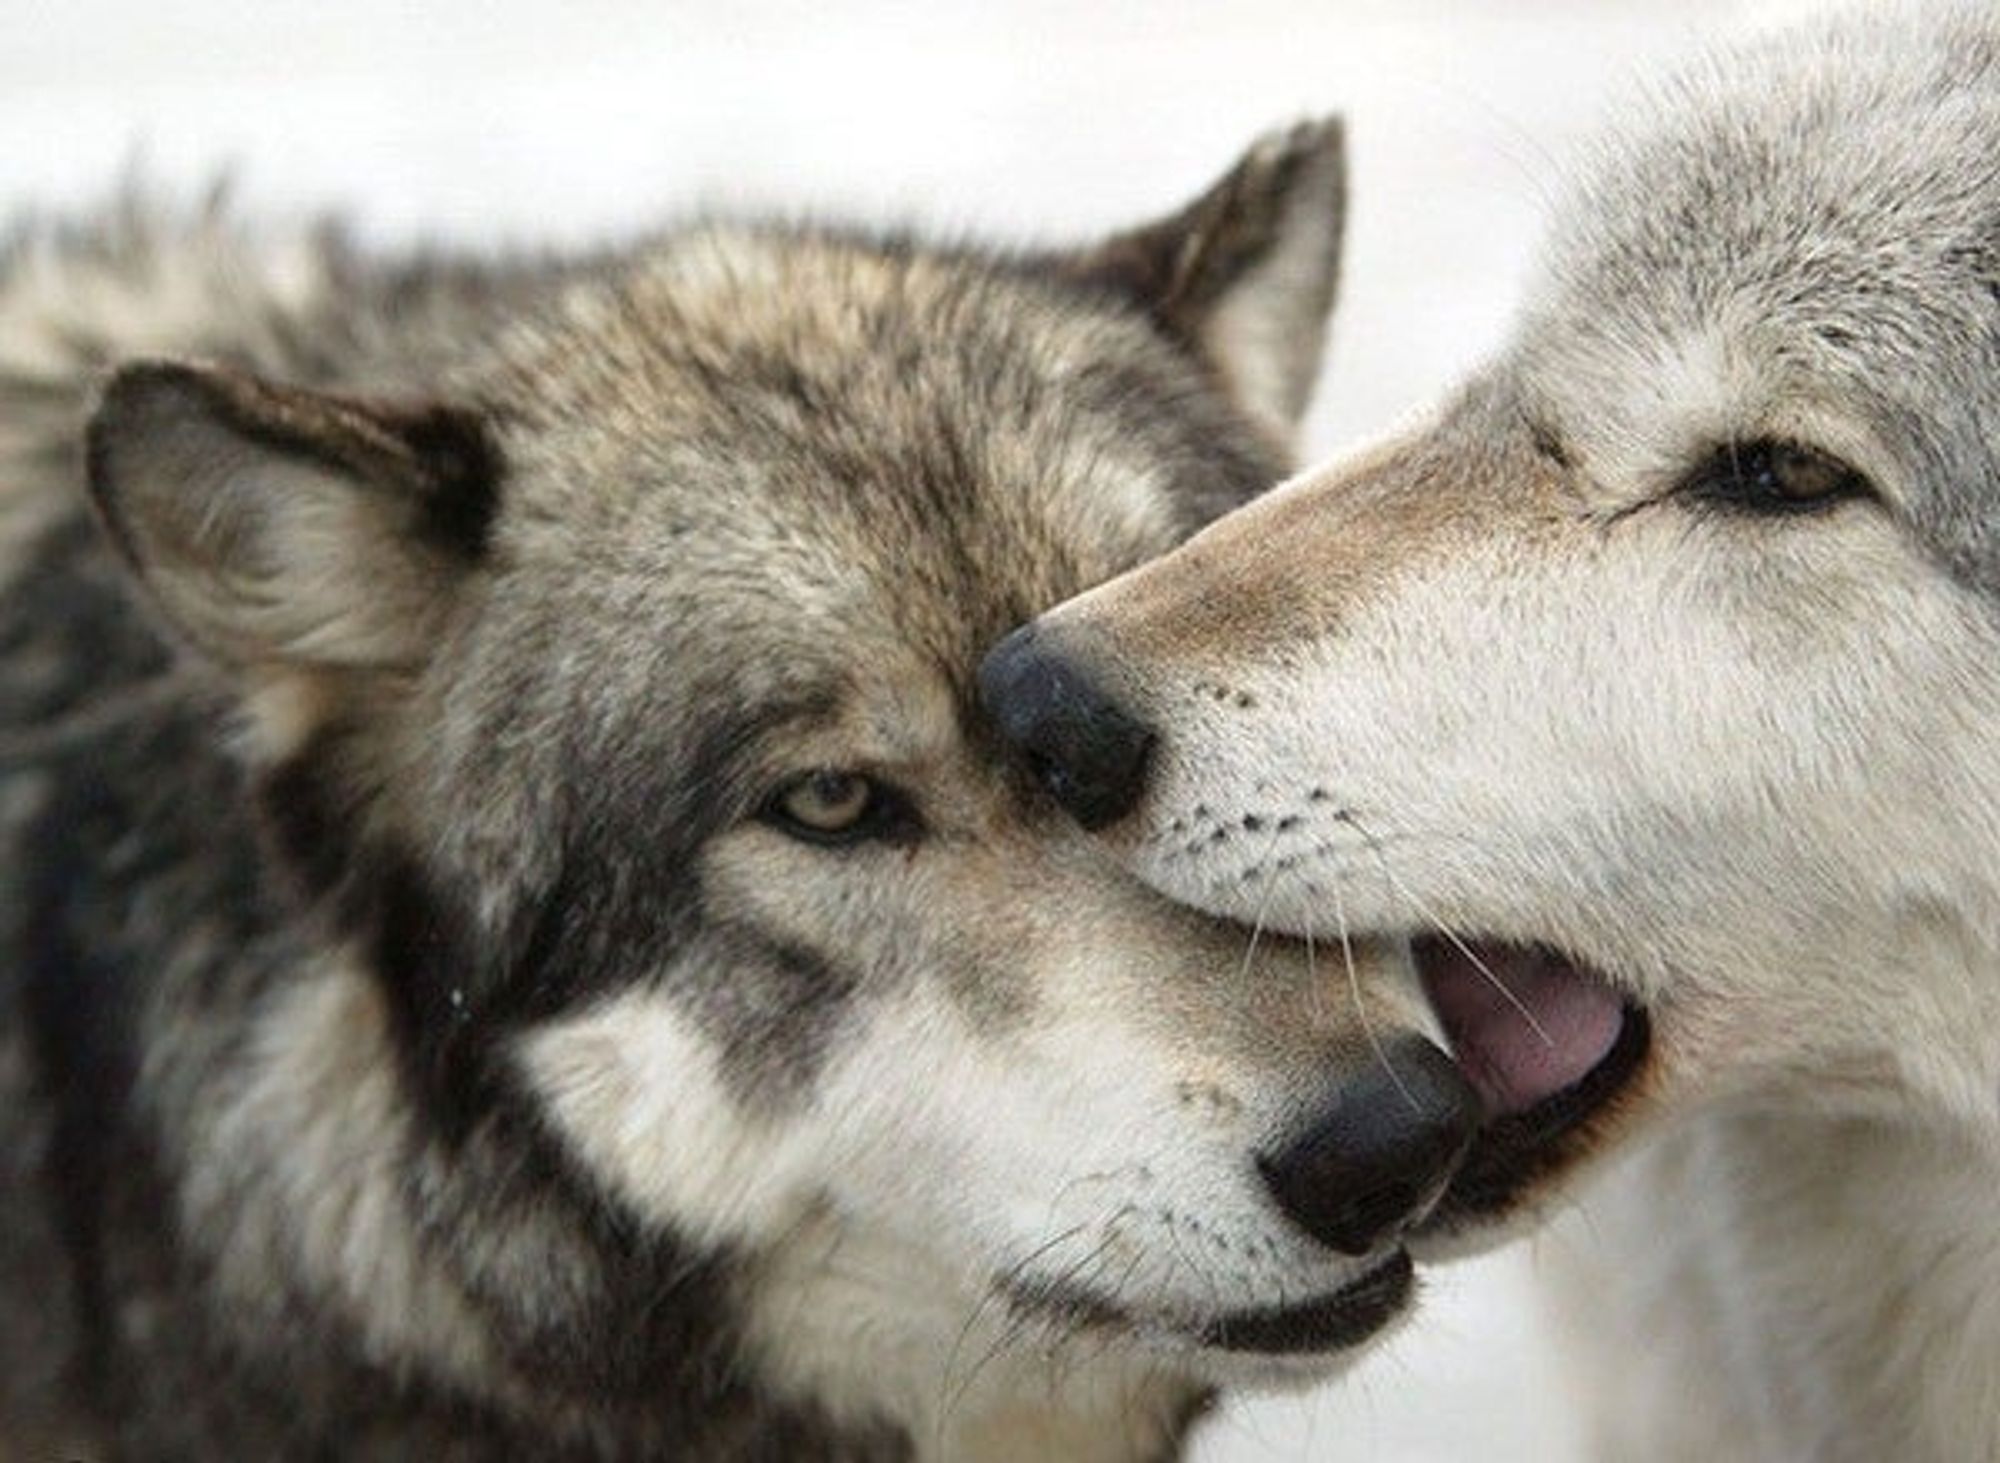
column 515, row 939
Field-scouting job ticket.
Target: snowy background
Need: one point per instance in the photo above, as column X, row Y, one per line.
column 511, row 121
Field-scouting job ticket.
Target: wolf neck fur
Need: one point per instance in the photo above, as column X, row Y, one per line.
column 1837, row 1274
column 1757, row 1330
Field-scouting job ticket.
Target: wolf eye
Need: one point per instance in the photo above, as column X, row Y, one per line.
column 831, row 806
column 1776, row 477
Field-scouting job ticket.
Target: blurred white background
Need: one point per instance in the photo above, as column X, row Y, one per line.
column 510, row 121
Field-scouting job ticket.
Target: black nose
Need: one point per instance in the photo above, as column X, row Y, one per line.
column 1089, row 750
column 1374, row 1163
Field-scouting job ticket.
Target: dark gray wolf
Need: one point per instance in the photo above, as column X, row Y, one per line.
column 515, row 938
column 1662, row 667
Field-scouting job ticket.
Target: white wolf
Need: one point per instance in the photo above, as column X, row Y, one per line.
column 1662, row 667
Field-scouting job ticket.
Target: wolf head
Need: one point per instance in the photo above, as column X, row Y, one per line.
column 1667, row 647
column 607, row 679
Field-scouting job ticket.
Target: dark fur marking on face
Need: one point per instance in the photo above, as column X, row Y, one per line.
column 434, row 966
column 621, row 904
column 308, row 817
column 640, row 1319
column 775, row 1022
column 419, row 941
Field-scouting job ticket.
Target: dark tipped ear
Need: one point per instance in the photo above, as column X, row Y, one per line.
column 278, row 526
column 1247, row 272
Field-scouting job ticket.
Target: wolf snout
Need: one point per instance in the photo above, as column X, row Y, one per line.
column 1372, row 1162
column 1090, row 750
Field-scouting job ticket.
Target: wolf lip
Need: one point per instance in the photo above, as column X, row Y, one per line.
column 1344, row 1318
column 1546, row 1042
column 1332, row 1321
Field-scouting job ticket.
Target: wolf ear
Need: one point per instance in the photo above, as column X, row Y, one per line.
column 1247, row 272
column 282, row 527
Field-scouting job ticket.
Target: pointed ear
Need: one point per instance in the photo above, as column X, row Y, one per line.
column 1247, row 272
column 282, row 527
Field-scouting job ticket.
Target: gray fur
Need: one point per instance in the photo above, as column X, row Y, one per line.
column 1839, row 228
column 416, row 1038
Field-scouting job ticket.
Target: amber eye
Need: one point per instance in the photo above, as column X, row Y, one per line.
column 827, row 802
column 831, row 806
column 1776, row 477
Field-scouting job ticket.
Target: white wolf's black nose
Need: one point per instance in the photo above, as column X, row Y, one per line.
column 1374, row 1162
column 1090, row 751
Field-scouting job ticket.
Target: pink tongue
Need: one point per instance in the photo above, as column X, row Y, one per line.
column 1548, row 1027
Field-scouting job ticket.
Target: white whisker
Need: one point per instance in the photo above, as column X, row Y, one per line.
column 1403, row 892
column 1354, row 988
column 1263, row 909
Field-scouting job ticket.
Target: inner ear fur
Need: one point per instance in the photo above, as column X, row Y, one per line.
column 1247, row 273
column 278, row 526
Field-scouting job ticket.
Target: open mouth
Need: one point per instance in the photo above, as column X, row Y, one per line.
column 1547, row 1043
column 1322, row 1324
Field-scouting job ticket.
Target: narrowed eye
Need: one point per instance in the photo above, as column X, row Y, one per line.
column 831, row 806
column 1776, row 477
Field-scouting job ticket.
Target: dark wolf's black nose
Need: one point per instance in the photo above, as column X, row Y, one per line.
column 1090, row 751
column 1376, row 1160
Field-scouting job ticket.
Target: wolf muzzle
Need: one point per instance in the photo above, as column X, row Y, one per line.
column 1379, row 1150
